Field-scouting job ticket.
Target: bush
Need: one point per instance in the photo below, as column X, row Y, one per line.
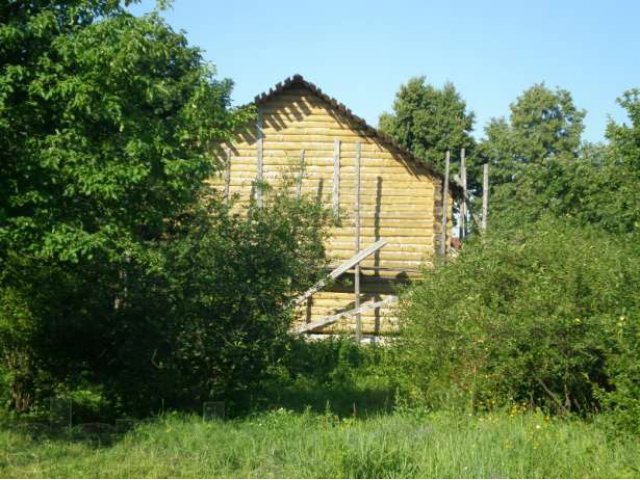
column 232, row 277
column 623, row 367
column 335, row 373
column 526, row 316
column 197, row 315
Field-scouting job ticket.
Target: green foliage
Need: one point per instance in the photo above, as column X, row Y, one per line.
column 428, row 121
column 17, row 366
column 594, row 184
column 538, row 165
column 543, row 123
column 624, row 138
column 334, row 373
column 200, row 317
column 529, row 153
column 595, row 189
column 231, row 279
column 283, row 444
column 121, row 274
column 524, row 316
column 105, row 125
column 623, row 403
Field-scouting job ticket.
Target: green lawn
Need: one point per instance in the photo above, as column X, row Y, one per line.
column 286, row 444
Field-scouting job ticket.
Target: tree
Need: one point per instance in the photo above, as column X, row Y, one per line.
column 226, row 285
column 618, row 192
column 625, row 139
column 528, row 152
column 543, row 124
column 428, row 121
column 545, row 314
column 106, row 124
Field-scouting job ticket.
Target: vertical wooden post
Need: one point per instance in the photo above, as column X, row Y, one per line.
column 259, row 141
column 336, row 179
column 485, row 195
column 300, row 176
column 445, row 209
column 357, row 243
column 227, row 177
column 463, row 205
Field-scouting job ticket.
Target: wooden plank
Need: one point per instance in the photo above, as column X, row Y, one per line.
column 349, row 313
column 343, row 267
column 259, row 163
column 335, row 193
column 300, row 176
column 463, row 205
column 356, row 213
column 445, row 209
column 227, row 177
column 485, row 195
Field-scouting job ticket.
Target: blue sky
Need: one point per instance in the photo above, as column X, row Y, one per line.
column 361, row 51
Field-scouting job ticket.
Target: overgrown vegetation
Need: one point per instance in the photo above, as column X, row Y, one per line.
column 543, row 309
column 428, row 120
column 282, row 444
column 126, row 284
column 202, row 318
column 129, row 288
column 334, row 374
column 539, row 317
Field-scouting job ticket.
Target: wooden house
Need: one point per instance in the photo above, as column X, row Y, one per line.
column 301, row 131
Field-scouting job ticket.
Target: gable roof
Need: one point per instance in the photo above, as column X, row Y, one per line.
column 298, row 81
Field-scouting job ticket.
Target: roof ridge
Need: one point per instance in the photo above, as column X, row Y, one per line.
column 298, row 79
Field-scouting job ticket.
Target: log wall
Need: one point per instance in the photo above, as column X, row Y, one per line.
column 400, row 199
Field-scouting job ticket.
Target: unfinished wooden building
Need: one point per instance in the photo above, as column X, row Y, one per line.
column 304, row 133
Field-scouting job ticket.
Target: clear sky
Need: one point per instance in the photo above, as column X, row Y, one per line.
column 360, row 52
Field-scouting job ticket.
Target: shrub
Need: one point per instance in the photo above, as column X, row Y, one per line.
column 197, row 315
column 525, row 316
column 623, row 367
column 335, row 373
column 232, row 277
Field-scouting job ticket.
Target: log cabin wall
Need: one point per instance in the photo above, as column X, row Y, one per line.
column 400, row 197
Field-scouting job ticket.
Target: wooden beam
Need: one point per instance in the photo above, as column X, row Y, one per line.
column 485, row 195
column 463, row 205
column 227, row 177
column 335, row 273
column 356, row 282
column 445, row 209
column 259, row 164
column 300, row 176
column 335, row 193
column 349, row 313
column 477, row 219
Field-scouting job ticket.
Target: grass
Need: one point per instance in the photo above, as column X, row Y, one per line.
column 282, row 443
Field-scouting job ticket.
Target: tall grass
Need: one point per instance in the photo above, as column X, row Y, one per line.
column 286, row 444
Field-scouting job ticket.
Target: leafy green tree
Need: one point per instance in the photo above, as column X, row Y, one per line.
column 529, row 151
column 625, row 139
column 532, row 315
column 203, row 316
column 594, row 184
column 428, row 120
column 231, row 278
column 124, row 280
column 106, row 127
column 543, row 124
column 614, row 199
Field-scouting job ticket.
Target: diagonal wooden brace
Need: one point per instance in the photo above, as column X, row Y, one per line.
column 349, row 313
column 357, row 258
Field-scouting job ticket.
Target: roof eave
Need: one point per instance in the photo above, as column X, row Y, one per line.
column 297, row 79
